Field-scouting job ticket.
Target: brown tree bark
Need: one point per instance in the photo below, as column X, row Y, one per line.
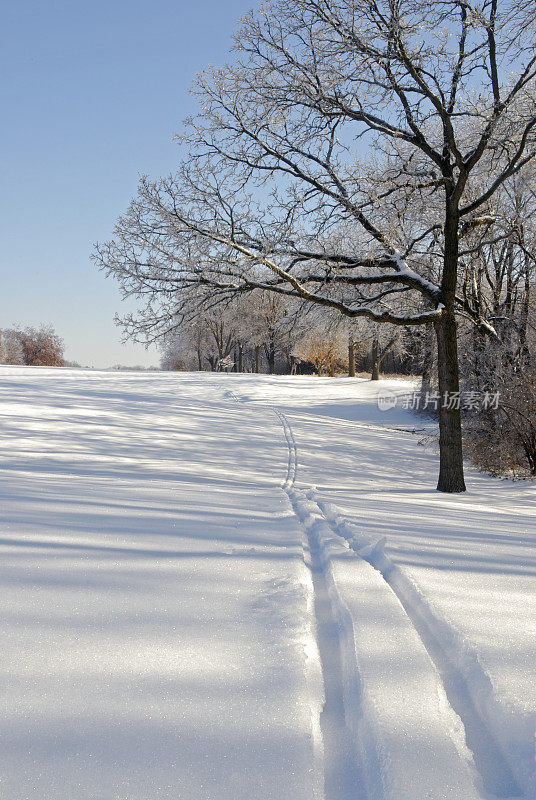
column 451, row 477
column 375, row 376
column 351, row 358
column 270, row 352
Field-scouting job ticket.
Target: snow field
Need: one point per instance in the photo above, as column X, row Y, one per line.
column 155, row 625
column 245, row 586
column 485, row 747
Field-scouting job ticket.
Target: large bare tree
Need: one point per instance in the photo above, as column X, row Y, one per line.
column 343, row 158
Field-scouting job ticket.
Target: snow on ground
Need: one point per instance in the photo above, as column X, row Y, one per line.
column 197, row 601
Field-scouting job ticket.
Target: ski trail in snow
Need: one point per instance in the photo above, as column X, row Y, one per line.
column 467, row 686
column 292, row 463
column 292, row 466
column 344, row 773
column 347, row 770
column 463, row 695
column 351, row 767
column 342, row 767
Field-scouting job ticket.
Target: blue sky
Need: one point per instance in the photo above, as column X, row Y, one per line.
column 91, row 95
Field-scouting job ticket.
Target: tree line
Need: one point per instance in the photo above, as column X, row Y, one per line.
column 272, row 334
column 374, row 158
column 32, row 346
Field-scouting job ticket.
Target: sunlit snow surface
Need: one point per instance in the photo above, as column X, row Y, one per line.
column 159, row 630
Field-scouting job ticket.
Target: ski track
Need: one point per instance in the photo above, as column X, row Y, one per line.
column 344, row 767
column 467, row 686
column 292, row 466
column 352, row 769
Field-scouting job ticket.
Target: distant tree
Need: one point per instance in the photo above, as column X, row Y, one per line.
column 382, row 341
column 170, row 361
column 41, row 347
column 203, row 339
column 273, row 325
column 327, row 351
column 188, row 347
column 502, row 440
column 13, row 352
column 258, row 330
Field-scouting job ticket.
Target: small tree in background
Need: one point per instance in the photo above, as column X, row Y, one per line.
column 326, row 352
column 42, row 347
column 12, row 351
column 34, row 347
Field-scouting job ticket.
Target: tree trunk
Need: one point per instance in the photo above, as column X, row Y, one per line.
column 524, row 352
column 375, row 357
column 351, row 358
column 379, row 358
column 271, row 357
column 451, row 477
column 450, row 424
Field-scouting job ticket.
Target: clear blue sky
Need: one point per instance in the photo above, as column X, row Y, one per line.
column 91, row 94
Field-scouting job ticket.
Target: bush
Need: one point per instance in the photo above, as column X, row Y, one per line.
column 35, row 347
column 503, row 441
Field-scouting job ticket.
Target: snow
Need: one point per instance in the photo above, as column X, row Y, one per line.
column 237, row 586
column 426, row 286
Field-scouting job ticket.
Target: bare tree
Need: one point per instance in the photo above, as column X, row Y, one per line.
column 13, row 352
column 381, row 345
column 41, row 347
column 325, row 348
column 342, row 160
column 274, row 324
column 187, row 347
column 500, row 277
